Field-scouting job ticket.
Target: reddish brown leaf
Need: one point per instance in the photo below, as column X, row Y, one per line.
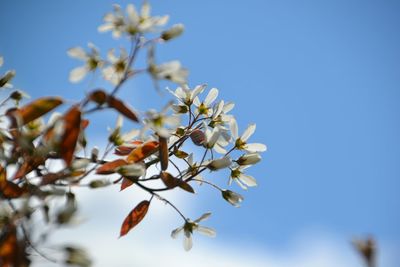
column 169, row 180
column 123, row 150
column 163, row 150
column 126, row 183
column 143, row 151
column 126, row 150
column 110, row 167
column 84, row 123
column 185, row 186
column 8, row 246
column 134, row 217
column 122, row 108
column 72, row 128
column 8, row 189
column 29, row 165
column 98, row 96
column 37, row 108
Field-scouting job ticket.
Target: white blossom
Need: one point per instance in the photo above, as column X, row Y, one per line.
column 172, row 32
column 242, row 179
column 161, row 123
column 191, row 226
column 249, row 159
column 143, row 22
column 233, row 198
column 218, row 164
column 132, row 170
column 114, row 21
column 185, row 95
column 241, row 142
column 133, row 22
column 115, row 72
column 92, row 62
column 204, row 107
column 172, row 71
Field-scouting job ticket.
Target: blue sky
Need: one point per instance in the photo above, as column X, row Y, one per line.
column 320, row 79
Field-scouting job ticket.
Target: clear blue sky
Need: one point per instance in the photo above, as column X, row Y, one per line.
column 320, row 78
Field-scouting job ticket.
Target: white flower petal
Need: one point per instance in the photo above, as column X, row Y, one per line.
column 219, row 108
column 116, row 34
column 172, row 121
column 219, row 149
column 145, row 10
column 213, row 137
column 1, row 61
column 206, row 231
column 132, row 14
column 248, row 132
column 203, row 217
column 247, row 180
column 234, row 128
column 197, row 90
column 78, row 74
column 180, row 93
column 187, row 241
column 196, row 101
column 175, row 232
column 240, row 184
column 228, row 107
column 255, row 147
column 212, row 95
column 77, row 52
column 105, row 27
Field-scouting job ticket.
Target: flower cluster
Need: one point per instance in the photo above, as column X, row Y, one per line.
column 136, row 26
column 176, row 148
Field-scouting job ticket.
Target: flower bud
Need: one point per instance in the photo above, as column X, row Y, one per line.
column 7, row 77
column 132, row 170
column 99, row 183
column 80, row 164
column 173, row 32
column 233, row 198
column 218, row 164
column 95, row 154
column 180, row 109
column 249, row 159
column 198, row 137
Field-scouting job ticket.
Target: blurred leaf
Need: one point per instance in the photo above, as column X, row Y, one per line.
column 126, row 183
column 134, row 217
column 65, row 215
column 122, row 108
column 143, row 151
column 72, row 128
column 51, row 177
column 169, row 180
column 187, row 187
column 98, row 96
column 110, row 167
column 77, row 257
column 125, row 150
column 8, row 189
column 99, row 183
column 8, row 246
column 84, row 123
column 37, row 108
column 181, row 154
column 367, row 249
column 163, row 151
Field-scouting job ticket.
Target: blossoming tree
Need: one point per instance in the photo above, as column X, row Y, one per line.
column 33, row 136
